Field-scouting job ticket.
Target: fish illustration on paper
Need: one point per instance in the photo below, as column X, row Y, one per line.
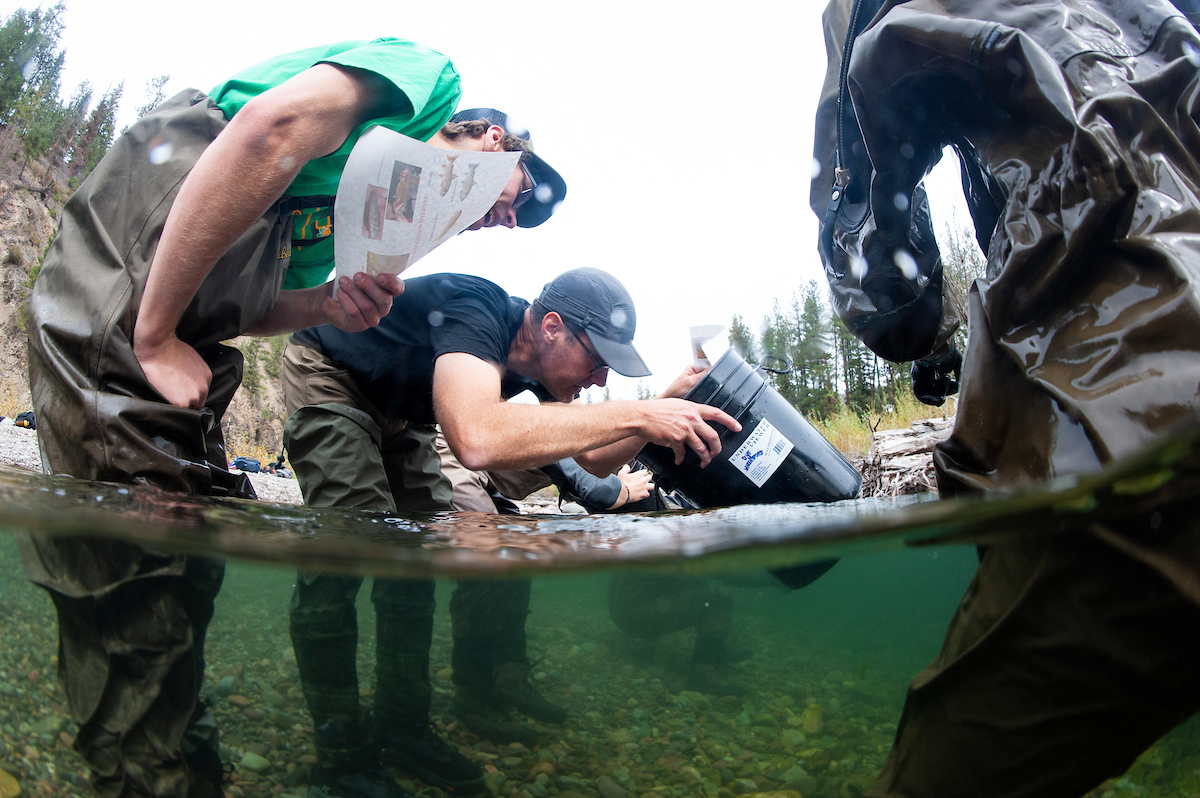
column 449, row 224
column 448, row 173
column 372, row 226
column 468, row 182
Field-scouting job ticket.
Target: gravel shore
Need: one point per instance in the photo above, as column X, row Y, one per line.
column 19, row 447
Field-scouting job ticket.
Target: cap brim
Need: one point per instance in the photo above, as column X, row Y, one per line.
column 621, row 358
column 543, row 203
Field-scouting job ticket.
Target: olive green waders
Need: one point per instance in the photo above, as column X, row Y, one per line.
column 345, row 454
column 132, row 620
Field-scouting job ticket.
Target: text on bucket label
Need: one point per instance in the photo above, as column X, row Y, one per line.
column 760, row 454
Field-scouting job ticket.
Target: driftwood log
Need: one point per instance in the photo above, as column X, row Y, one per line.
column 901, row 460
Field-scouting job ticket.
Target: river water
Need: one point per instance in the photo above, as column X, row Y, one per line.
column 817, row 700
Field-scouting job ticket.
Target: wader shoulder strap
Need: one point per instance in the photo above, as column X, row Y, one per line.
column 862, row 13
column 288, row 205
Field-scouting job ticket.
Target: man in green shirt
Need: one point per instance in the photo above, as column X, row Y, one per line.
column 181, row 238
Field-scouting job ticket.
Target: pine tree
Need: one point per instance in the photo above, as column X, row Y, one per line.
column 97, row 135
column 29, row 54
column 741, row 338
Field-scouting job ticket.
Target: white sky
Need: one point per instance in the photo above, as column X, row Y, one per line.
column 684, row 131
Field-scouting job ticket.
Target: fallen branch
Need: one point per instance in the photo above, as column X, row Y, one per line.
column 901, row 460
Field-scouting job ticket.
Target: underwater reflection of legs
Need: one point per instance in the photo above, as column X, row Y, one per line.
column 648, row 606
column 1066, row 659
column 491, row 667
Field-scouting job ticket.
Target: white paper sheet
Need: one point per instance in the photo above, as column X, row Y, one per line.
column 400, row 198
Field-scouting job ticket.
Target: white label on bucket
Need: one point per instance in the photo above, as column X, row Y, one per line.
column 761, row 453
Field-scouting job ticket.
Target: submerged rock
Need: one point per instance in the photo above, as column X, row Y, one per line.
column 813, row 721
column 9, row 786
column 253, row 762
column 226, row 687
column 610, row 789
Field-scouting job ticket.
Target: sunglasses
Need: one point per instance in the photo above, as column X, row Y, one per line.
column 599, row 366
column 525, row 193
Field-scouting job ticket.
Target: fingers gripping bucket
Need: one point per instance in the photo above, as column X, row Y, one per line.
column 777, row 457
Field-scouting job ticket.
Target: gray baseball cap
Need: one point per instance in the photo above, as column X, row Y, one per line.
column 594, row 301
column 548, row 186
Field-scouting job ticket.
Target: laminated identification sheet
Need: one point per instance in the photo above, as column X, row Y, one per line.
column 400, row 198
column 760, row 454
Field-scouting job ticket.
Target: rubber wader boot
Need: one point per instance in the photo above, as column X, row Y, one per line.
column 477, row 710
column 201, row 745
column 515, row 689
column 704, row 679
column 420, row 751
column 370, row 782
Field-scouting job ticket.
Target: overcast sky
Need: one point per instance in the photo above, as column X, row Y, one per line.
column 684, row 131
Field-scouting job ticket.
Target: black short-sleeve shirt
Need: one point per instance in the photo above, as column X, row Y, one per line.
column 436, row 315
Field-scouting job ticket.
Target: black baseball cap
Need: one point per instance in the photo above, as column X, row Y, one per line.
column 594, row 301
column 548, row 186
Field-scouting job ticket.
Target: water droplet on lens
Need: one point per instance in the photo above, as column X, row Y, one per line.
column 906, row 263
column 543, row 193
column 28, row 68
column 160, row 153
column 286, row 163
column 619, row 317
column 517, row 129
column 436, row 317
column 816, row 168
column 1191, row 54
column 907, row 150
column 900, row 201
column 858, row 267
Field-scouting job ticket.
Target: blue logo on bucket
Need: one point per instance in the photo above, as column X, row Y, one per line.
column 748, row 459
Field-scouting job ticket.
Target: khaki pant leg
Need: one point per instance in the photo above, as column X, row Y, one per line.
column 471, row 490
column 1065, row 660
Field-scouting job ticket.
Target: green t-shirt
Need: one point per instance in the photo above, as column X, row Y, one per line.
column 425, row 77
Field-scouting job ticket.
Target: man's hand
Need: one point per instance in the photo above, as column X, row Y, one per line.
column 635, row 486
column 936, row 378
column 175, row 370
column 362, row 302
column 686, row 380
column 681, row 425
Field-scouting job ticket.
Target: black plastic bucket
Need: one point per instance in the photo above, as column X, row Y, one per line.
column 777, row 457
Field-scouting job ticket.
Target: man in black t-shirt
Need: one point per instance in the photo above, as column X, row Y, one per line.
column 360, row 433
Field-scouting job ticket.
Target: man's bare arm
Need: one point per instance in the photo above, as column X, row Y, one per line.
column 608, row 459
column 489, row 434
column 360, row 304
column 237, row 178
